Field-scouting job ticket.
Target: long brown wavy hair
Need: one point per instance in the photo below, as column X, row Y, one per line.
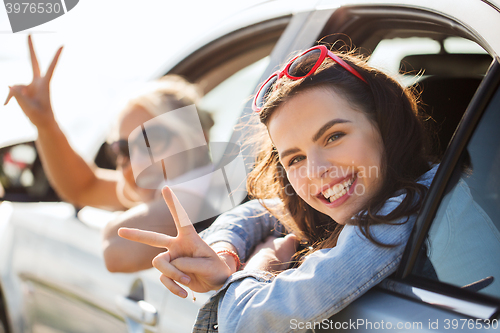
column 394, row 111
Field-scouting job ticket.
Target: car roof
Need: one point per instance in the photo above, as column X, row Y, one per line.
column 481, row 17
column 259, row 13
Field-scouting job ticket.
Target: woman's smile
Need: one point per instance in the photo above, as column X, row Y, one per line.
column 333, row 159
column 336, row 193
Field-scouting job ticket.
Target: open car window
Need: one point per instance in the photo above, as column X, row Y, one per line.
column 226, row 101
column 228, row 70
column 439, row 60
column 445, row 71
column 413, row 58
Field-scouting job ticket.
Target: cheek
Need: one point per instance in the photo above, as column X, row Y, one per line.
column 369, row 168
column 365, row 151
column 128, row 175
column 300, row 183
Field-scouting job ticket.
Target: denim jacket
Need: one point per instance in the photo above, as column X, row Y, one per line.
column 325, row 283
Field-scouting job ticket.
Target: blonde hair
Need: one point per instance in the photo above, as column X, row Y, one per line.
column 168, row 93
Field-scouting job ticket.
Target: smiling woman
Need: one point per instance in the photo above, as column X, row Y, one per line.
column 328, row 165
column 364, row 143
column 345, row 153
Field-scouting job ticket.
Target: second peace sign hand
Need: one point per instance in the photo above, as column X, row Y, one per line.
column 34, row 99
column 189, row 260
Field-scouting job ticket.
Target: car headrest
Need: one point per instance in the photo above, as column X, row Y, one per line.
column 447, row 64
column 445, row 99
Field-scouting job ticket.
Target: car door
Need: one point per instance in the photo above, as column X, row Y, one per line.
column 52, row 274
column 72, row 291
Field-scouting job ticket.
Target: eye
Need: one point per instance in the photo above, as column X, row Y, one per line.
column 295, row 160
column 335, row 136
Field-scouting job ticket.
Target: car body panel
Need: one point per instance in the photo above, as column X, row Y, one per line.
column 381, row 311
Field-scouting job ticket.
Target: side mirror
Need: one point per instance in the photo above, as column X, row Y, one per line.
column 22, row 178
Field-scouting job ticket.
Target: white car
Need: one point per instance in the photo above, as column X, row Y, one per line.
column 52, row 273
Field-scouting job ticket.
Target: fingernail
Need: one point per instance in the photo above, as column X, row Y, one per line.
column 185, row 280
column 183, row 294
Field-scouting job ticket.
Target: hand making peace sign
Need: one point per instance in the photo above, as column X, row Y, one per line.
column 188, row 255
column 34, row 99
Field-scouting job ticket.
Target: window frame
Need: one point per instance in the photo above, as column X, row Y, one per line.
column 210, row 57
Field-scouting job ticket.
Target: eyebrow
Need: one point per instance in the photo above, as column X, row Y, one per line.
column 316, row 136
column 327, row 126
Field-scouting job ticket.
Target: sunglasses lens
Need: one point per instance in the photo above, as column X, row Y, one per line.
column 264, row 92
column 304, row 64
column 120, row 147
column 159, row 139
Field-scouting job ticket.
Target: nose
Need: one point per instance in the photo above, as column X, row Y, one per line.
column 317, row 165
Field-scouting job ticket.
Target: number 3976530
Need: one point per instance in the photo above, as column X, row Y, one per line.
column 27, row 7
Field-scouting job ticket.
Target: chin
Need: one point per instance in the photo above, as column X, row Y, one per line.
column 349, row 210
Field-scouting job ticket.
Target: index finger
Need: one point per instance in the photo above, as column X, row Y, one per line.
column 180, row 216
column 34, row 61
column 146, row 237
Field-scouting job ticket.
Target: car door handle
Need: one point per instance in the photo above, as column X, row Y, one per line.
column 139, row 311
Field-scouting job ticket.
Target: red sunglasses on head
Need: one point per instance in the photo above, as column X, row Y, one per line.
column 299, row 67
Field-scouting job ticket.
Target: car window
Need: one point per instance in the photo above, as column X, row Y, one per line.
column 443, row 65
column 389, row 54
column 226, row 101
column 463, row 244
column 445, row 72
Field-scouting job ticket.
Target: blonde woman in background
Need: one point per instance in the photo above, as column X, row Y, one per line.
column 82, row 184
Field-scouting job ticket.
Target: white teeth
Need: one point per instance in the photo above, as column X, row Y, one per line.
column 338, row 190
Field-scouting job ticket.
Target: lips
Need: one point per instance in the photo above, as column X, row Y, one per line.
column 337, row 189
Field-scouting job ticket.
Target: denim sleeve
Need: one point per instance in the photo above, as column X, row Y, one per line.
column 244, row 227
column 324, row 284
